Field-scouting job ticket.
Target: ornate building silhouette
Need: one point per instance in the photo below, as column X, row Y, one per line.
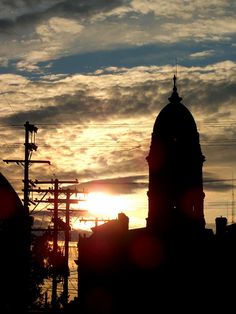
column 175, row 169
column 174, row 264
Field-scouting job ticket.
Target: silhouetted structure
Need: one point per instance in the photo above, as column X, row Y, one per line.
column 174, row 264
column 14, row 240
column 175, row 169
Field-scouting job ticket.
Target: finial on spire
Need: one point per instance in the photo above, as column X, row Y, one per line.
column 174, row 98
column 175, row 79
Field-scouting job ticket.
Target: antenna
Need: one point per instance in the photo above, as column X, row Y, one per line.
column 176, row 67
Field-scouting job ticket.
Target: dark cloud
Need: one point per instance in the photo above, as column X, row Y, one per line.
column 36, row 11
column 209, row 96
column 220, row 148
column 217, row 184
column 139, row 99
column 6, row 23
column 87, row 6
column 120, row 185
column 81, row 107
column 68, row 108
column 150, row 97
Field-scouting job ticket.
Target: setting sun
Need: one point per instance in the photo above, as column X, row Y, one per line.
column 104, row 204
column 101, row 207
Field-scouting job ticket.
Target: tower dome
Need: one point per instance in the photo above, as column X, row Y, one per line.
column 175, row 168
column 174, row 119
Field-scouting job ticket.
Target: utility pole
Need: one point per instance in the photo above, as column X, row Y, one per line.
column 55, row 244
column 67, row 239
column 30, row 146
column 59, row 225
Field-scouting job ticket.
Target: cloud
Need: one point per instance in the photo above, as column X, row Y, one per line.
column 35, row 33
column 55, row 34
column 199, row 30
column 119, row 93
column 19, row 13
column 202, row 54
column 183, row 10
column 120, row 185
column 46, row 31
column 214, row 183
column 100, row 124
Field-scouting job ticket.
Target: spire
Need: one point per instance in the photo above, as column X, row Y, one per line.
column 175, row 79
column 174, row 98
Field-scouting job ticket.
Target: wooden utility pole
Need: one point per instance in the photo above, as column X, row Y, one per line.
column 67, row 240
column 30, row 146
column 55, row 244
column 59, row 225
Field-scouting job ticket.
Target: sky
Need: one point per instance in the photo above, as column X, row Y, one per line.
column 92, row 75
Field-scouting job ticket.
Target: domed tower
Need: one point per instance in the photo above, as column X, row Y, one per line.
column 175, row 195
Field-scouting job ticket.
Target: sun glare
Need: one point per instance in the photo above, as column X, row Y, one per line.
column 101, row 206
column 99, row 203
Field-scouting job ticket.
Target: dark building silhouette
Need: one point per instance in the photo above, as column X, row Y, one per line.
column 175, row 264
column 14, row 239
column 175, row 169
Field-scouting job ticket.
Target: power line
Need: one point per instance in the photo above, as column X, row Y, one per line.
column 141, row 124
column 108, row 143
